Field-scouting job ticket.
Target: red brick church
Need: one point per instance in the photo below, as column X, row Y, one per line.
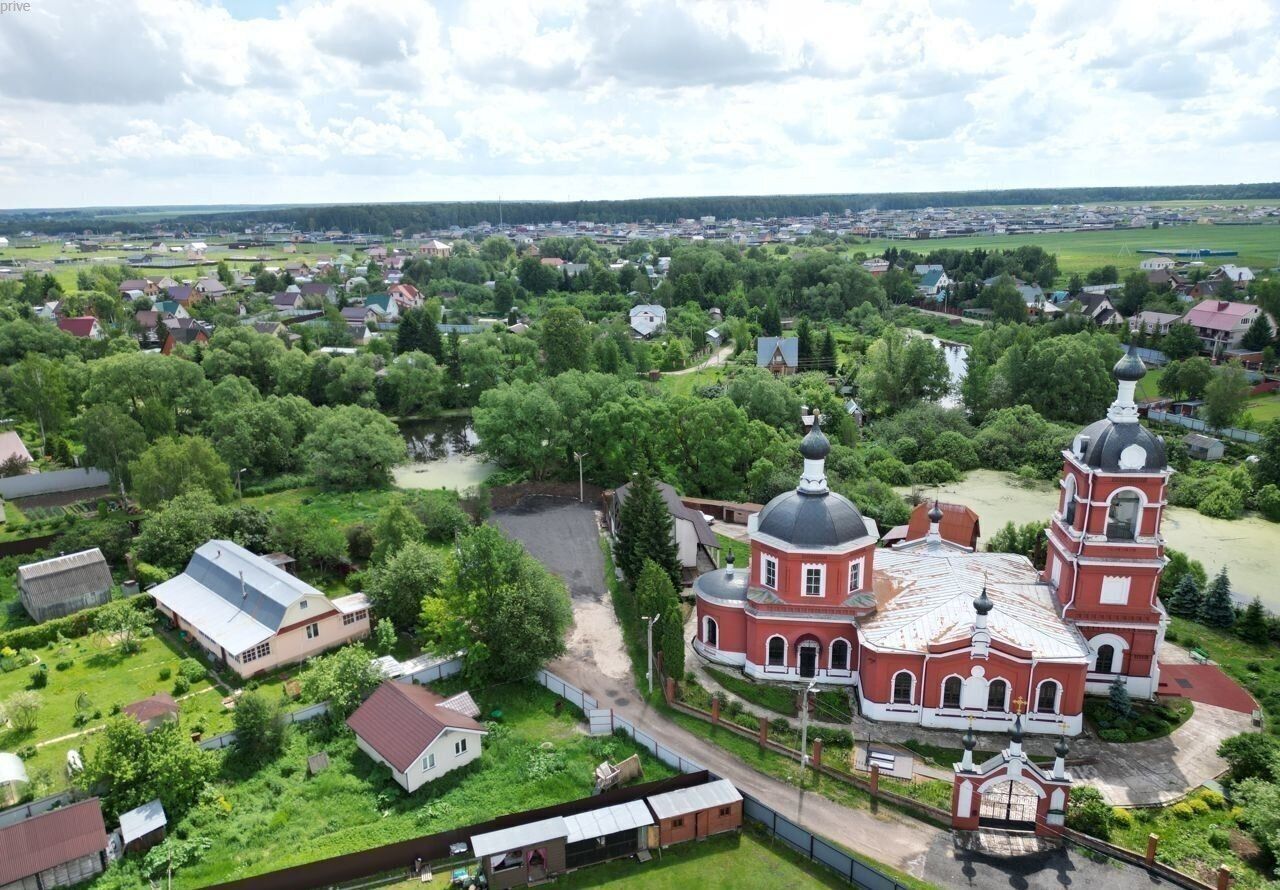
column 932, row 632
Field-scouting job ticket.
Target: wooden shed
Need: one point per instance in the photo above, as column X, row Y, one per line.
column 522, row 854
column 696, row 813
column 143, row 828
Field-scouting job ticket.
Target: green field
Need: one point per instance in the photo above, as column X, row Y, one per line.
column 1258, row 246
column 1264, row 408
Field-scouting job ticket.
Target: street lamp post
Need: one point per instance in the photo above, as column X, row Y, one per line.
column 239, row 490
column 651, row 622
column 578, row 456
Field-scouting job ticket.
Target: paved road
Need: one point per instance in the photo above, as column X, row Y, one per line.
column 564, row 536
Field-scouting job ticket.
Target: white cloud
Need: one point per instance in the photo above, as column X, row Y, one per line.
column 140, row 101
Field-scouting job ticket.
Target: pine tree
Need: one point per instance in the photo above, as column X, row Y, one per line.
column 430, row 340
column 1187, row 597
column 1216, row 610
column 656, row 595
column 673, row 640
column 804, row 345
column 647, row 531
column 771, row 320
column 409, row 331
column 828, row 351
column 1120, row 702
column 1252, row 625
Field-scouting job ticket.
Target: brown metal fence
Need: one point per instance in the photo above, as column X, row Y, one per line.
column 504, row 497
column 435, row 847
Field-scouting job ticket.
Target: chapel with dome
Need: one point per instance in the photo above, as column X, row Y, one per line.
column 930, row 631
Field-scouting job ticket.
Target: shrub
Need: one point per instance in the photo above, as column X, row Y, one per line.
column 891, row 471
column 1213, row 799
column 1198, row 806
column 26, row 752
column 79, row 719
column 181, row 686
column 40, row 677
column 191, row 670
column 1113, row 735
column 934, row 472
column 1182, row 810
column 1122, row 817
column 779, row 724
column 78, row 625
column 64, row 665
column 1089, row 813
column 165, row 673
column 1219, row 838
column 148, row 575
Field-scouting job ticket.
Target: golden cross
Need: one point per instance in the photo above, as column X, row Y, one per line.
column 1018, row 704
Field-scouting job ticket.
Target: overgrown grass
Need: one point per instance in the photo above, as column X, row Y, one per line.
column 1196, row 839
column 833, row 705
column 774, row 698
column 278, row 816
column 336, row 507
column 1255, row 667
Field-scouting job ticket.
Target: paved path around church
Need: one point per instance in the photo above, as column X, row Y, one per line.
column 564, row 536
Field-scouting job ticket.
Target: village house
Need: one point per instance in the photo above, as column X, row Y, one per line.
column 1152, row 322
column 1240, row 276
column 420, row 735
column 931, row 632
column 252, row 615
column 436, row 250
column 406, row 296
column 697, row 546
column 933, row 283
column 780, row 355
column 877, row 266
column 184, row 331
column 62, row 585
column 1152, row 264
column 12, row 448
column 57, row 848
column 85, row 327
column 1221, row 324
column 647, row 319
column 132, row 288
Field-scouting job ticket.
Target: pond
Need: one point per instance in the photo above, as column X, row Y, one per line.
column 957, row 358
column 1246, row 546
column 442, row 454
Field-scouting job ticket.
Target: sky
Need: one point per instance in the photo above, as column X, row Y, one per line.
column 137, row 102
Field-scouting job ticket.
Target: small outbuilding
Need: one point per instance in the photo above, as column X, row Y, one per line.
column 57, row 848
column 57, row 587
column 143, row 828
column 522, row 854
column 608, row 833
column 696, row 813
column 1204, row 447
column 12, row 771
column 152, row 712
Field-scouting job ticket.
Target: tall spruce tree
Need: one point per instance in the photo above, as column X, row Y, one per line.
column 1216, row 610
column 827, row 352
column 804, row 346
column 656, row 595
column 1118, row 698
column 1186, row 598
column 771, row 320
column 647, row 531
column 1252, row 625
column 430, row 340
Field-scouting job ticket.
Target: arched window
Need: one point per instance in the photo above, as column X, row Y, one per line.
column 777, row 652
column 710, row 631
column 902, row 683
column 839, row 656
column 1069, row 501
column 1124, row 516
column 1047, row 698
column 997, row 692
column 951, row 692
column 1105, row 659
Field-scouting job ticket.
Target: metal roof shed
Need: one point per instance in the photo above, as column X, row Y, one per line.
column 138, row 823
column 608, row 820
column 691, row 800
column 519, row 836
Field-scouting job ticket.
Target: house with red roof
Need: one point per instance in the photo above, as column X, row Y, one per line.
column 1222, row 324
column 83, row 326
column 57, row 848
column 406, row 295
column 417, row 733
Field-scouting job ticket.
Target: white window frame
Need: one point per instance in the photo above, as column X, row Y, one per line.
column 769, row 564
column 1057, row 697
column 1115, row 590
column 942, row 693
column 262, row 650
column 460, row 747
column 822, row 579
column 848, row 660
column 785, row 646
column 707, row 623
column 302, row 605
column 893, row 686
column 1008, row 691
column 313, row 630
column 855, row 574
column 428, row 762
column 353, row 617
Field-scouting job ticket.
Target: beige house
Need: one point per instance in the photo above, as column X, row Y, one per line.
column 253, row 615
column 415, row 732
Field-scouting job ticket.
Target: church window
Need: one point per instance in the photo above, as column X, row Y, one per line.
column 855, row 576
column 769, row 568
column 710, row 633
column 839, row 656
column 777, row 652
column 1115, row 590
column 1105, row 659
column 951, row 692
column 1124, row 516
column 902, row 683
column 813, row 580
column 1047, row 698
column 1069, row 502
column 997, row 691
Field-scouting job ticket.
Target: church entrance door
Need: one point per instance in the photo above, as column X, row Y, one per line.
column 808, row 660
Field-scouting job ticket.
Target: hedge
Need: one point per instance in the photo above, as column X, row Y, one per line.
column 78, row 625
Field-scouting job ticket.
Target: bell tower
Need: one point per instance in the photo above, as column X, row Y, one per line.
column 1105, row 552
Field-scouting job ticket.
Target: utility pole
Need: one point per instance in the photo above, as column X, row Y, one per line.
column 239, row 490
column 578, row 456
column 651, row 622
column 804, row 731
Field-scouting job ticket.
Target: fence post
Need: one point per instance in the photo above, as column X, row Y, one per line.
column 875, row 779
column 715, row 710
column 1153, row 841
column 669, row 689
column 1224, row 877
column 817, row 755
column 764, row 730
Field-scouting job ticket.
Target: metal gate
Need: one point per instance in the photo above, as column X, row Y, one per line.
column 600, row 721
column 1010, row 805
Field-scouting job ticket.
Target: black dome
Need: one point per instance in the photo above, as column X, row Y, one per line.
column 815, row 446
column 935, row 513
column 1108, row 440
column 812, row 520
column 1130, row 367
column 983, row 605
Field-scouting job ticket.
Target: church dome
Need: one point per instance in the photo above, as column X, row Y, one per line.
column 815, row 446
column 1120, row 447
column 1130, row 367
column 812, row 520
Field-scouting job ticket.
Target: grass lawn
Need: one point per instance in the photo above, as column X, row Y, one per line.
column 1255, row 667
column 336, row 507
column 746, row 861
column 833, row 705
column 741, row 551
column 944, row 757
column 774, row 698
column 106, row 677
column 278, row 816
column 1197, row 843
column 1149, row 386
column 1264, row 408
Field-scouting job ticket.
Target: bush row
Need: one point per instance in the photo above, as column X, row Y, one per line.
column 78, row 625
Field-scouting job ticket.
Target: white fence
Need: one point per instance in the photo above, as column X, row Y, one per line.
column 1195, row 423
column 22, row 812
column 55, row 482
column 302, row 715
column 436, row 670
